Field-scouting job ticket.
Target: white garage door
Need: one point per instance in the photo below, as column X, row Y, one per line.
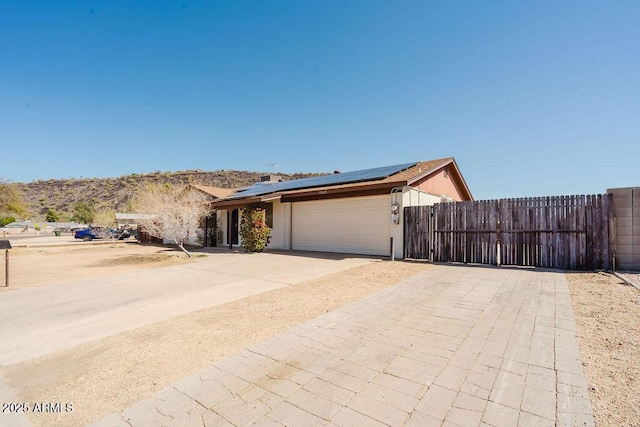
column 358, row 225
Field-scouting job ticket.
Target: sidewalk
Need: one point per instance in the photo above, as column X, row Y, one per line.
column 455, row 345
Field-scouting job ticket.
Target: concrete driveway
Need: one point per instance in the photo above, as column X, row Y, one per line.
column 452, row 346
column 43, row 320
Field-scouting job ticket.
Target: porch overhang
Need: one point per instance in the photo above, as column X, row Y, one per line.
column 242, row 203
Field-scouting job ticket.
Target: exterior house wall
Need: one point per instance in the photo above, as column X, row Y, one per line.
column 281, row 231
column 286, row 225
column 408, row 197
column 415, row 197
column 440, row 182
column 626, row 210
column 277, row 232
column 222, row 214
column 194, row 240
column 190, row 241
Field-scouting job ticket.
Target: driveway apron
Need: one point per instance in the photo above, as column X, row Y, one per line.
column 454, row 345
column 41, row 320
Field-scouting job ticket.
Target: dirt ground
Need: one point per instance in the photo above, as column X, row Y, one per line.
column 112, row 373
column 38, row 266
column 607, row 313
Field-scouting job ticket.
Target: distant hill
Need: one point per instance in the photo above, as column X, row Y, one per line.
column 115, row 193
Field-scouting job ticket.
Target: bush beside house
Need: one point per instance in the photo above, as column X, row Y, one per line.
column 253, row 229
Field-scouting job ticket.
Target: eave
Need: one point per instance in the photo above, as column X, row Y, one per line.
column 241, row 203
column 343, row 192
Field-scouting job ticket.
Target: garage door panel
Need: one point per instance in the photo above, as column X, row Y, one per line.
column 353, row 225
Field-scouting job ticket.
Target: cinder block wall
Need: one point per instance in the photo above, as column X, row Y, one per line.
column 626, row 209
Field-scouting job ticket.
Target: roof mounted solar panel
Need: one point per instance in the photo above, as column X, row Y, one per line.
column 262, row 188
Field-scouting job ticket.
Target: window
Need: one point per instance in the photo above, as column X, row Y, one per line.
column 269, row 215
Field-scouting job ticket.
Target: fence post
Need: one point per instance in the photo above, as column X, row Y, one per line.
column 431, row 221
column 498, row 251
column 6, row 245
column 611, row 234
column 498, row 234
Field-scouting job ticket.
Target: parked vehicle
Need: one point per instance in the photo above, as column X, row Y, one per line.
column 123, row 234
column 90, row 233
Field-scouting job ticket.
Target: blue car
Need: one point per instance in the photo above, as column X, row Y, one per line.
column 90, row 233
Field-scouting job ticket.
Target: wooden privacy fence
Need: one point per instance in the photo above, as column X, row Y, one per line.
column 569, row 232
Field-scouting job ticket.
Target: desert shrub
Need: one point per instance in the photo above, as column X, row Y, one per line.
column 6, row 220
column 83, row 212
column 51, row 216
column 11, row 199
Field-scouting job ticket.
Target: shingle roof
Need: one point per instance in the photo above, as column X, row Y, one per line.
column 217, row 192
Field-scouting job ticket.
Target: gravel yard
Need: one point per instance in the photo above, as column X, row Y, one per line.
column 39, row 266
column 607, row 313
column 631, row 277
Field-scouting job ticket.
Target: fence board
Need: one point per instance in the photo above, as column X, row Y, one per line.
column 569, row 232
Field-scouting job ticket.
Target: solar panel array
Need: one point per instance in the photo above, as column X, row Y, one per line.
column 263, row 188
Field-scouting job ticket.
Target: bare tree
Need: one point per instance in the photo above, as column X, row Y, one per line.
column 106, row 220
column 173, row 213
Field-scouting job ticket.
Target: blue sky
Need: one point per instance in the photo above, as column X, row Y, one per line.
column 531, row 97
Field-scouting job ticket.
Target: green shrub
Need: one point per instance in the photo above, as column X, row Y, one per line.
column 253, row 229
column 83, row 212
column 6, row 220
column 51, row 216
column 215, row 237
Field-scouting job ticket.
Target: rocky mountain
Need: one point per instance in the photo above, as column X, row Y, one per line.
column 61, row 195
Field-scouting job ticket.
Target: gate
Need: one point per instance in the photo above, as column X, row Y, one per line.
column 568, row 232
column 418, row 236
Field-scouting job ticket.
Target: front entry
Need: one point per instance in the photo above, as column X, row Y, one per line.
column 211, row 230
column 232, row 235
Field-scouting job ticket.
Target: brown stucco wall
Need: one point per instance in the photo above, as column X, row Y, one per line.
column 440, row 182
column 626, row 210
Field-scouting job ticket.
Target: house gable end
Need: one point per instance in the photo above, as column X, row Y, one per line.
column 444, row 179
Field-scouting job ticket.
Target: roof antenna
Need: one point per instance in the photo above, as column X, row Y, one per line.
column 272, row 166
